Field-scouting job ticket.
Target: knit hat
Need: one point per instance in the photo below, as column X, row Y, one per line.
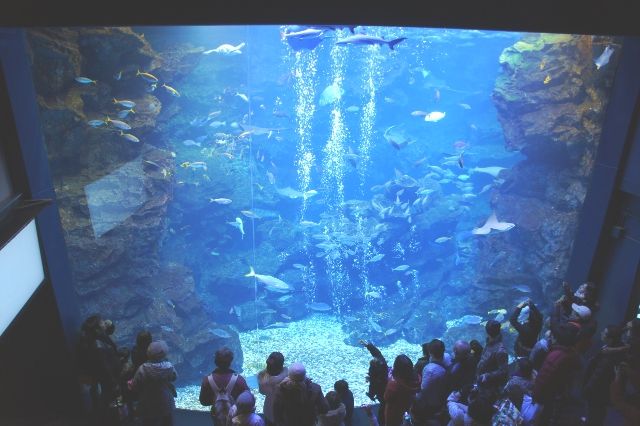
column 297, row 372
column 582, row 311
column 157, row 351
column 245, row 403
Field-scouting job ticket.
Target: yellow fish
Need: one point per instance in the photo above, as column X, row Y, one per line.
column 542, row 64
column 147, row 76
column 185, row 164
column 171, row 90
column 547, row 79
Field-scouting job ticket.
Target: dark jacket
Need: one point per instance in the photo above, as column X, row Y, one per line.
column 378, row 374
column 347, row 400
column 539, row 353
column 494, row 362
column 221, row 377
column 153, row 383
column 556, row 374
column 516, row 388
column 461, row 373
column 598, row 376
column 298, row 403
column 528, row 331
column 398, row 398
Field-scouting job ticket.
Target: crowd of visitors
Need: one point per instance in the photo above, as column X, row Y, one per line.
column 551, row 381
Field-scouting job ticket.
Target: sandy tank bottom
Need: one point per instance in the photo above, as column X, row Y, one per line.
column 318, row 342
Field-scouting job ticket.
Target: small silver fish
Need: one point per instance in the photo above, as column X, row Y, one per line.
column 603, row 59
column 85, row 80
column 124, row 103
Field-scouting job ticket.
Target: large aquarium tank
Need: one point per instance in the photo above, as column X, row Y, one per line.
column 299, row 188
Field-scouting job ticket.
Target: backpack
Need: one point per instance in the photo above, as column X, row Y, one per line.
column 223, row 400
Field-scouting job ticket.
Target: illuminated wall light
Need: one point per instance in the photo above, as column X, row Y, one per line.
column 21, row 273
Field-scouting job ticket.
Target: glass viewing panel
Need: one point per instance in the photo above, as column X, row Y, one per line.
column 297, row 189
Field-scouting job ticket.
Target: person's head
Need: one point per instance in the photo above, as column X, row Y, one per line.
column 157, row 351
column 461, row 350
column 93, row 326
column 586, row 293
column 402, row 368
column 143, row 339
column 480, row 407
column 275, row 363
column 492, row 328
column 612, row 335
column 476, row 347
column 109, row 327
column 566, row 334
column 246, row 403
column 525, row 367
column 341, row 386
column 223, row 358
column 425, row 349
column 333, row 399
column 297, row 372
column 436, row 349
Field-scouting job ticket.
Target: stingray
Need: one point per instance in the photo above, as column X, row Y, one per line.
column 493, row 223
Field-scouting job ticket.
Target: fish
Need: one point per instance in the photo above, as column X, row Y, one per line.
column 222, row 201
column 365, row 39
column 118, row 76
column 269, row 312
column 434, row 116
column 219, row 332
column 373, row 294
column 129, row 137
column 238, row 223
column 547, row 79
column 464, row 177
column 319, row 307
column 308, row 38
column 171, row 90
column 166, row 329
column 85, row 80
column 376, row 258
column 147, row 77
column 226, row 50
column 243, row 97
column 96, row 123
column 124, row 103
column 299, row 266
column 249, row 214
column 390, row 331
column 465, row 106
column 269, row 281
column 419, row 113
column 401, row 268
column 604, row 57
column 125, row 112
column 461, row 161
column 190, row 142
column 277, row 325
column 375, row 326
column 118, row 124
column 308, row 223
column 492, row 223
column 497, row 311
column 152, row 163
column 353, row 108
column 493, row 170
column 331, row 94
column 441, row 240
column 522, row 288
column 214, row 253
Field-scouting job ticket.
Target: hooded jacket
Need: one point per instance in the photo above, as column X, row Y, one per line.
column 298, row 403
column 267, row 385
column 152, row 381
